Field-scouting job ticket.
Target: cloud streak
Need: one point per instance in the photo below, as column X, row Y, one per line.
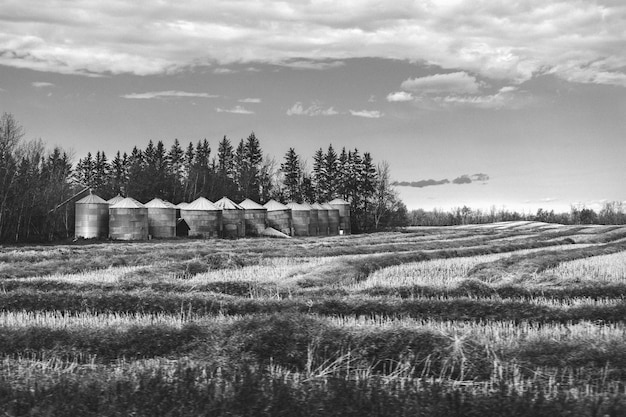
column 235, row 110
column 313, row 110
column 579, row 41
column 167, row 94
column 368, row 114
column 463, row 179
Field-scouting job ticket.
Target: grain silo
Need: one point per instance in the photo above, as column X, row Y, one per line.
column 255, row 216
column 313, row 219
column 300, row 219
column 333, row 219
column 344, row 215
column 278, row 217
column 233, row 218
column 92, row 217
column 161, row 218
column 322, row 219
column 128, row 220
column 115, row 199
column 203, row 218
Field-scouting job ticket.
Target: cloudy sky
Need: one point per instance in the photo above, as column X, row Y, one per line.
column 531, row 94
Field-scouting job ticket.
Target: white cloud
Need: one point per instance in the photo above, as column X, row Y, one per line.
column 235, row 110
column 400, row 96
column 509, row 41
column 370, row 114
column 223, row 71
column 250, row 100
column 41, row 84
column 312, row 64
column 167, row 94
column 456, row 82
column 313, row 110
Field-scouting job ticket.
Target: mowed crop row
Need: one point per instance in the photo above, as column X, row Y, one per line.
column 513, row 318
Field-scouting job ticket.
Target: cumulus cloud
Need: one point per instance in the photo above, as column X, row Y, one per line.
column 400, row 96
column 580, row 41
column 167, row 94
column 42, row 84
column 235, row 110
column 313, row 110
column 370, row 114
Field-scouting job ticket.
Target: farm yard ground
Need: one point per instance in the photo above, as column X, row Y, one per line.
column 519, row 319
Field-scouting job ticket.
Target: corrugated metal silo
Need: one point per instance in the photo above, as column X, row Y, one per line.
column 313, row 219
column 161, row 218
column 92, row 217
column 344, row 214
column 300, row 219
column 333, row 219
column 255, row 216
column 203, row 218
column 322, row 219
column 128, row 220
column 178, row 207
column 233, row 218
column 279, row 217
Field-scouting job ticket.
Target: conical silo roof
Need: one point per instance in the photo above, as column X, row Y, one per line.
column 274, row 205
column 298, row 207
column 203, row 204
column 226, row 203
column 318, row 206
column 158, row 203
column 327, row 206
column 338, row 201
column 248, row 204
column 92, row 199
column 127, row 202
column 182, row 205
column 115, row 199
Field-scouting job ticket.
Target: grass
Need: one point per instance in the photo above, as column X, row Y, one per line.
column 514, row 318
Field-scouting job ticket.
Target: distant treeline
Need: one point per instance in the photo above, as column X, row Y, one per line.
column 38, row 188
column 611, row 213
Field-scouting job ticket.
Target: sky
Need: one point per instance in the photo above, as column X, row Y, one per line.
column 515, row 104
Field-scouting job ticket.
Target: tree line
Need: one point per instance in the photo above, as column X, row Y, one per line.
column 611, row 213
column 243, row 171
column 38, row 187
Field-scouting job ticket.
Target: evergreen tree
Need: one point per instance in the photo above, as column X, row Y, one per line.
column 292, row 176
column 119, row 175
column 175, row 172
column 319, row 178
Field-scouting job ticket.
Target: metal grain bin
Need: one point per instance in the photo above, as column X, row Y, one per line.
column 313, row 219
column 161, row 218
column 178, row 207
column 278, row 217
column 300, row 219
column 92, row 217
column 333, row 219
column 322, row 219
column 344, row 214
column 233, row 218
column 203, row 218
column 128, row 220
column 255, row 216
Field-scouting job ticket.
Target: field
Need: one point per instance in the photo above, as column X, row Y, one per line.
column 515, row 319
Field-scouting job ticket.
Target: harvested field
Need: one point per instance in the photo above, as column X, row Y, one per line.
column 516, row 318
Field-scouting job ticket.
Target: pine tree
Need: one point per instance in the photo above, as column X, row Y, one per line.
column 292, row 176
column 175, row 172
